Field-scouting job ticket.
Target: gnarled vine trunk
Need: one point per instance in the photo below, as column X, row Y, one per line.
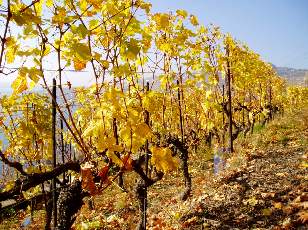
column 183, row 150
column 68, row 204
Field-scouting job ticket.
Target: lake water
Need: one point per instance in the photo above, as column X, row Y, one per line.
column 4, row 143
column 3, row 91
column 7, row 91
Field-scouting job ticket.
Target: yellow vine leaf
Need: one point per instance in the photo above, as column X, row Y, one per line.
column 145, row 6
column 95, row 3
column 115, row 159
column 18, row 19
column 79, row 65
column 162, row 20
column 26, row 17
column 49, row 3
column 304, row 165
column 20, row 84
column 9, row 186
column 133, row 49
column 81, row 30
column 109, row 143
column 82, row 51
column 92, row 128
column 11, row 49
column 39, row 7
column 143, row 130
column 182, row 13
column 105, row 64
column 10, row 55
column 59, row 17
column 83, row 4
column 208, row 94
column 162, row 159
column 194, row 20
column 33, row 73
column 278, row 205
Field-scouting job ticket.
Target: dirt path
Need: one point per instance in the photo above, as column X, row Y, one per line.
column 269, row 192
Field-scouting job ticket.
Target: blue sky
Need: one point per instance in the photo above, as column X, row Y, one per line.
column 276, row 29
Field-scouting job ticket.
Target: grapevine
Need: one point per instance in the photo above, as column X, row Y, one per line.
column 160, row 90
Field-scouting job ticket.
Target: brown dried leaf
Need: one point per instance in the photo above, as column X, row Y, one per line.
column 127, row 161
column 303, row 217
column 88, row 179
column 103, row 174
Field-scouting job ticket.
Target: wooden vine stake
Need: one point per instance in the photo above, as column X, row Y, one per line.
column 183, row 150
column 62, row 147
column 228, row 84
column 142, row 187
column 145, row 201
column 116, row 136
column 223, row 117
column 54, row 146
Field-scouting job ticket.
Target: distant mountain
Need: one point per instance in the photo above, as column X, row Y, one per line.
column 293, row 76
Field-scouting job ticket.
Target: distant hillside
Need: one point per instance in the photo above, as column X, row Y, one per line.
column 293, row 76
